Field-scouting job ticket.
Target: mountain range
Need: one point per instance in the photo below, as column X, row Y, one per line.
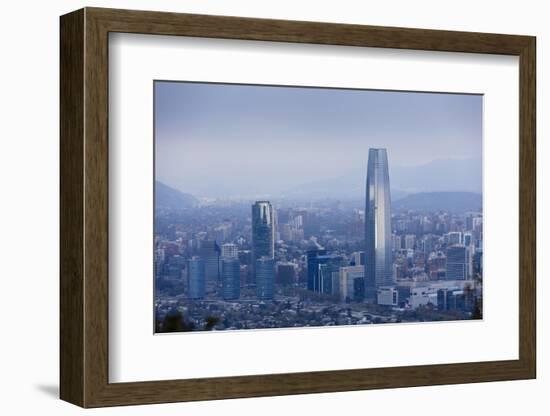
column 447, row 201
column 449, row 175
column 167, row 197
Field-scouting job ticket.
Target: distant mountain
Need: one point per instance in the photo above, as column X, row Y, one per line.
column 448, row 201
column 348, row 187
column 442, row 175
column 448, row 175
column 170, row 198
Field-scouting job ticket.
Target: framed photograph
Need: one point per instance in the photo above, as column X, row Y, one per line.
column 255, row 207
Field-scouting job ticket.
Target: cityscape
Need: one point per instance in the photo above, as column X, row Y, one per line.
column 297, row 260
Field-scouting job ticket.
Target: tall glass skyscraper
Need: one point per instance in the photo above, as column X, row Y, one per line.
column 196, row 278
column 378, row 260
column 231, row 278
column 209, row 252
column 263, row 233
column 265, row 278
column 457, row 263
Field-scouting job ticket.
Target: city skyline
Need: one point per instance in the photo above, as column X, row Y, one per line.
column 307, row 256
column 280, row 126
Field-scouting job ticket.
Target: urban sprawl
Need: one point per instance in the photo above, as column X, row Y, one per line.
column 228, row 265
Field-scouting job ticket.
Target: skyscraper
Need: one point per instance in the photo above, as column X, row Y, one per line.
column 209, row 252
column 313, row 262
column 265, row 277
column 457, row 263
column 263, row 231
column 378, row 260
column 263, row 237
column 196, row 278
column 326, row 266
column 231, row 278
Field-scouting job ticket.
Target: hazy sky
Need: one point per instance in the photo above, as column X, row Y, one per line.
column 222, row 139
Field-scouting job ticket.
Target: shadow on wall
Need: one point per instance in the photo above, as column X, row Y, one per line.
column 49, row 390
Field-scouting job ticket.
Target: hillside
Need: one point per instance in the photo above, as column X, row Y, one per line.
column 167, row 197
column 447, row 201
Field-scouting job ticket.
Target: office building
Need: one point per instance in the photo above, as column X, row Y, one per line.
column 196, row 278
column 387, row 296
column 327, row 274
column 263, row 232
column 457, row 263
column 209, row 252
column 454, row 237
column 231, row 278
column 348, row 275
column 320, row 268
column 265, row 278
column 378, row 243
column 230, row 251
column 263, row 237
column 313, row 265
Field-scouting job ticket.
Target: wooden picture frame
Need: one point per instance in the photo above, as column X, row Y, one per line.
column 84, row 207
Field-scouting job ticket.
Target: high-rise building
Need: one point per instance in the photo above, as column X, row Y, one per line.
column 313, row 255
column 263, row 231
column 454, row 237
column 358, row 258
column 265, row 277
column 231, row 278
column 327, row 274
column 196, row 278
column 348, row 275
column 378, row 244
column 457, row 263
column 209, row 252
column 230, row 251
column 320, row 269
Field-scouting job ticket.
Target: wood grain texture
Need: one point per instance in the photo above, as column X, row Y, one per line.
column 527, row 208
column 71, row 213
column 84, row 207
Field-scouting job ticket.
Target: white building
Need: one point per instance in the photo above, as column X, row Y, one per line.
column 230, row 251
column 348, row 275
column 387, row 296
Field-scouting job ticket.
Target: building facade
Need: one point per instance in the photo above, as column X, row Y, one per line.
column 196, row 278
column 209, row 252
column 230, row 251
column 263, row 232
column 231, row 278
column 265, row 278
column 348, row 277
column 378, row 241
column 457, row 263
